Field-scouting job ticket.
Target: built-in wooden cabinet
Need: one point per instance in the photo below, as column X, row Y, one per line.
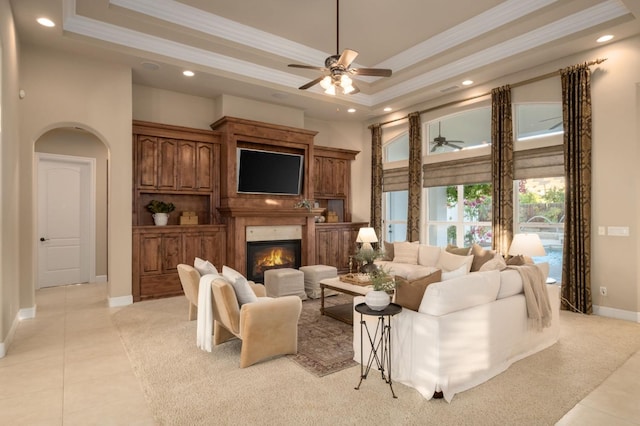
column 181, row 166
column 332, row 180
column 157, row 251
column 335, row 242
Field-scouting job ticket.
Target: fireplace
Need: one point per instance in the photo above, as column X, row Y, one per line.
column 273, row 254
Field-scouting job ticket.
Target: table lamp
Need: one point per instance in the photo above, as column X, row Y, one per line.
column 366, row 236
column 527, row 245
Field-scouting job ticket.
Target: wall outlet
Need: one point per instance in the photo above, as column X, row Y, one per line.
column 603, row 291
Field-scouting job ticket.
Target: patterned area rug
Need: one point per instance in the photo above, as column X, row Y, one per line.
column 325, row 345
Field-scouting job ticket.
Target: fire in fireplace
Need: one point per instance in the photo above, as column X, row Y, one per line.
column 265, row 255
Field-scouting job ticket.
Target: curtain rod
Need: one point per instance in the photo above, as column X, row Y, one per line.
column 518, row 84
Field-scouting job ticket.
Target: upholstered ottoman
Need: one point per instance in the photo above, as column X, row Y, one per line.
column 312, row 276
column 284, row 282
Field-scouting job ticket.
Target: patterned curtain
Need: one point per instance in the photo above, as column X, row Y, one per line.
column 502, row 168
column 576, row 117
column 376, row 180
column 415, row 177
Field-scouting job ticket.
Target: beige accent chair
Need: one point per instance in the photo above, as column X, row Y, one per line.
column 190, row 280
column 267, row 328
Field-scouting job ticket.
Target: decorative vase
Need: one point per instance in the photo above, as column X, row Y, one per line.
column 377, row 300
column 160, row 219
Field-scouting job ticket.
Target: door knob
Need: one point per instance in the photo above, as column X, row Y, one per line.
column 44, row 239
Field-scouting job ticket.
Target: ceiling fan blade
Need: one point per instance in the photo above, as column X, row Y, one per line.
column 454, row 146
column 308, row 67
column 434, row 148
column 347, row 57
column 311, row 83
column 378, row 72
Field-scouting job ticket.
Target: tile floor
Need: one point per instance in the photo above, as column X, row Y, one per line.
column 67, row 366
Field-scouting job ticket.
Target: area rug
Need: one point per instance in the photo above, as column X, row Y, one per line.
column 186, row 386
column 325, row 345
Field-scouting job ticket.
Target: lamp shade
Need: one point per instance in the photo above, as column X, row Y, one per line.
column 527, row 245
column 367, row 235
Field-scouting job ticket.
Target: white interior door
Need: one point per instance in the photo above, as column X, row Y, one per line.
column 66, row 220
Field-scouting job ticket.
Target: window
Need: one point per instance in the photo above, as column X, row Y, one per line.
column 395, row 215
column 397, row 149
column 538, row 120
column 459, row 215
column 539, row 204
column 465, row 130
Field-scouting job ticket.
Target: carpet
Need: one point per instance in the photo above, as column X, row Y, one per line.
column 186, row 386
column 325, row 345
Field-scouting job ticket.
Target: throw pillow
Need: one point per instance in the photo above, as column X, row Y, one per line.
column 409, row 293
column 240, row 285
column 428, row 255
column 388, row 251
column 480, row 257
column 450, row 262
column 406, row 253
column 460, row 251
column 516, row 260
column 497, row 263
column 204, row 267
column 461, row 293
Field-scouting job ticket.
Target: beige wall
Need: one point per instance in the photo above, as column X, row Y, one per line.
column 10, row 240
column 67, row 91
column 79, row 143
column 167, row 107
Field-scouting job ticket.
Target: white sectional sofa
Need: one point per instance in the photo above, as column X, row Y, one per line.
column 467, row 330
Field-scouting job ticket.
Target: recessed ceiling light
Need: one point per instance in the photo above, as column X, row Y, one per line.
column 151, row 66
column 46, row 22
column 188, row 73
column 604, row 38
column 467, row 82
column 351, row 110
column 388, row 109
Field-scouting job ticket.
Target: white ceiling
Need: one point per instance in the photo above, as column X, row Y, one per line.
column 242, row 48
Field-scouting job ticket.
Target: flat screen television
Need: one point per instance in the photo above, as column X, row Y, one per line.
column 269, row 172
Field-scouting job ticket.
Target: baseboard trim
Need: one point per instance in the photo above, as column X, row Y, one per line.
column 22, row 314
column 115, row 302
column 101, row 279
column 604, row 311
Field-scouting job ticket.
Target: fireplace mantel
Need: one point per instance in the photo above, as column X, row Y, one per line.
column 280, row 212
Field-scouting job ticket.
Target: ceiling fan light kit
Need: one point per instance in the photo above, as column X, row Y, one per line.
column 337, row 69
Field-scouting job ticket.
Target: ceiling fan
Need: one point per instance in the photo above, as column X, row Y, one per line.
column 441, row 141
column 336, row 71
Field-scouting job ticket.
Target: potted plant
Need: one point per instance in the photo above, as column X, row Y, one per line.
column 365, row 256
column 382, row 282
column 160, row 211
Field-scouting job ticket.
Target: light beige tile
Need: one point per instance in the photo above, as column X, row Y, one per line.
column 583, row 415
column 131, row 413
column 37, row 408
column 612, row 397
column 31, row 376
column 22, row 351
column 96, row 366
column 87, row 394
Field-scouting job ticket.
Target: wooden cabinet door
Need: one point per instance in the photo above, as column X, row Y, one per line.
column 327, row 243
column 186, row 165
column 328, row 177
column 204, row 164
column 146, row 162
column 150, row 254
column 347, row 240
column 340, row 178
column 167, row 163
column 207, row 245
column 171, row 252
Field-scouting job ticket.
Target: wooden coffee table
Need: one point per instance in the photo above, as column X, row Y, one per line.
column 342, row 312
